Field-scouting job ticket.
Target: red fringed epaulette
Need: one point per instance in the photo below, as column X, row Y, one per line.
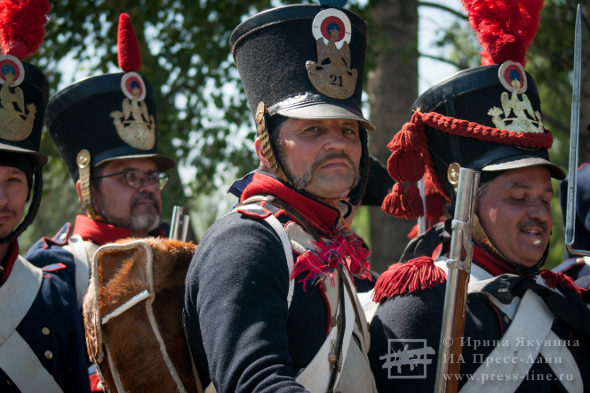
column 408, row 277
column 560, row 280
column 128, row 53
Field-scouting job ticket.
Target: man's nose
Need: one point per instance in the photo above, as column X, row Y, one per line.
column 335, row 140
column 539, row 210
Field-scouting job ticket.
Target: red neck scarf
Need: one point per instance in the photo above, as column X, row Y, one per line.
column 338, row 247
column 490, row 264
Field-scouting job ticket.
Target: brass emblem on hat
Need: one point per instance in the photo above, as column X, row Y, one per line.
column 17, row 119
column 516, row 114
column 134, row 124
column 332, row 74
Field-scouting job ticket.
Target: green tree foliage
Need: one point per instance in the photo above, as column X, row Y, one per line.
column 203, row 120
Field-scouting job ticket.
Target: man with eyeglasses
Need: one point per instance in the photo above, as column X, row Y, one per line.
column 104, row 129
column 105, row 132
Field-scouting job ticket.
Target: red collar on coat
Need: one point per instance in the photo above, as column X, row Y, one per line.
column 484, row 259
column 12, row 255
column 322, row 216
column 99, row 232
column 492, row 265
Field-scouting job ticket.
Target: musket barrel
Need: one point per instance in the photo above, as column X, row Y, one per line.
column 179, row 224
column 459, row 265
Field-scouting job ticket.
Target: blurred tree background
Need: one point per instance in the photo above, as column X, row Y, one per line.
column 203, row 119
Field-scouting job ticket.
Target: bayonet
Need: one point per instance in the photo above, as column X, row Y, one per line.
column 572, row 182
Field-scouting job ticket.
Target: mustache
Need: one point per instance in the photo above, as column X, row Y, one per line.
column 145, row 196
column 532, row 222
column 332, row 156
column 6, row 210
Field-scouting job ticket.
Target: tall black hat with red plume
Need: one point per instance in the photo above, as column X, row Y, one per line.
column 486, row 118
column 23, row 95
column 106, row 117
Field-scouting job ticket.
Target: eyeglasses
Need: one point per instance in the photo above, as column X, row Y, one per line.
column 136, row 178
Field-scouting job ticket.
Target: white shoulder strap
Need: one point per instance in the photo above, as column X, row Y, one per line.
column 82, row 262
column 276, row 225
column 315, row 377
column 531, row 323
column 17, row 359
column 17, row 295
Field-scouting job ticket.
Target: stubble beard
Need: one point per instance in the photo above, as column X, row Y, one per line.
column 301, row 182
column 139, row 224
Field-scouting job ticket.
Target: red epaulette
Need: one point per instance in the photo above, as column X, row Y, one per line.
column 560, row 280
column 408, row 277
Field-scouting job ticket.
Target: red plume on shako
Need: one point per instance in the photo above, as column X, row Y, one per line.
column 23, row 95
column 484, row 118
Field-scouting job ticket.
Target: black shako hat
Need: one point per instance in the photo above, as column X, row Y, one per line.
column 486, row 118
column 99, row 114
column 478, row 96
column 287, row 61
column 303, row 61
column 107, row 117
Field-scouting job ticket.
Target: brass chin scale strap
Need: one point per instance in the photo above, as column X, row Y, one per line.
column 262, row 133
column 83, row 161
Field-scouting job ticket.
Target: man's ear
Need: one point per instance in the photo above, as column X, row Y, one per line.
column 260, row 153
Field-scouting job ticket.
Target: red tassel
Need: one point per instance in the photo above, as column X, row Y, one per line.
column 405, row 165
column 393, row 203
column 128, row 47
column 344, row 249
column 406, row 162
column 416, row 275
column 415, row 206
column 505, row 28
column 404, row 138
column 22, row 26
column 560, row 280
